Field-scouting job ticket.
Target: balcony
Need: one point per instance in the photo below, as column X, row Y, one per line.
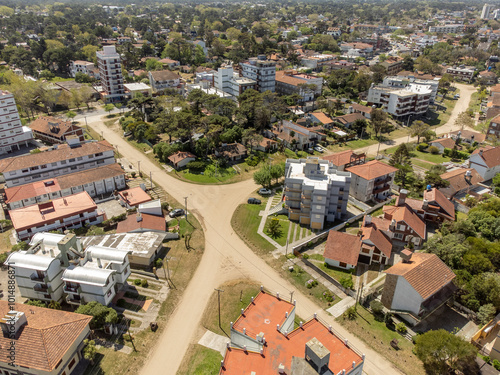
column 298, row 190
column 381, row 189
column 39, row 277
column 382, row 181
column 74, row 300
column 73, row 289
column 43, row 288
column 292, row 198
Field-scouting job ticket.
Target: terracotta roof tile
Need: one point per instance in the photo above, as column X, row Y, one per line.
column 371, row 170
column 467, row 134
column 361, row 108
column 342, row 247
column 491, row 156
column 52, row 126
column 179, row 156
column 164, row 75
column 374, row 235
column 406, row 214
column 458, row 182
column 147, row 221
column 340, row 158
column 426, row 273
column 349, row 118
column 134, row 196
column 322, row 117
column 445, row 142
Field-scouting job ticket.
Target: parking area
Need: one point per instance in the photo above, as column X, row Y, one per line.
column 112, row 208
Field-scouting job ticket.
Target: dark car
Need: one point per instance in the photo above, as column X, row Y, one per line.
column 254, row 201
column 176, row 212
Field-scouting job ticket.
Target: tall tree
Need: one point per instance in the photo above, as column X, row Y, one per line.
column 401, row 160
column 418, row 129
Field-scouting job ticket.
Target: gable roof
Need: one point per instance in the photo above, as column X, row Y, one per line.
column 445, row 142
column 458, row 182
column 151, row 222
column 371, row 170
column 491, row 156
column 46, row 337
column 322, row 117
column 361, row 108
column 406, row 214
column 467, row 134
column 340, row 158
column 342, row 247
column 426, row 273
column 381, row 242
column 51, row 125
column 349, row 118
column 232, row 149
column 179, row 156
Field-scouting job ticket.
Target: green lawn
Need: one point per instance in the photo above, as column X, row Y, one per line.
column 209, row 176
column 246, row 221
column 336, row 273
column 474, row 103
column 285, row 226
column 427, row 156
column 200, row 360
column 422, row 164
column 139, row 145
column 299, row 277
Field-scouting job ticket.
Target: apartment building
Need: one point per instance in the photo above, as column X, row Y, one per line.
column 85, row 67
column 261, row 71
column 393, row 65
column 164, row 79
column 62, row 160
column 402, row 82
column 290, row 82
column 412, row 100
column 447, row 29
column 315, row 191
column 110, row 71
column 230, row 82
column 13, row 134
column 95, row 181
column 371, row 181
column 317, row 62
column 486, row 12
column 55, row 267
column 462, row 73
column 273, row 346
column 73, row 211
column 53, row 130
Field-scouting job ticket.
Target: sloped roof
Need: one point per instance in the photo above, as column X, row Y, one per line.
column 339, row 158
column 349, row 118
column 467, row 134
column 434, row 195
column 342, row 247
column 46, row 337
column 151, row 222
column 371, row 170
column 445, row 142
column 426, row 273
column 458, row 182
column 322, row 117
column 491, row 156
column 164, row 75
column 381, row 242
column 179, row 156
column 52, row 126
column 406, row 214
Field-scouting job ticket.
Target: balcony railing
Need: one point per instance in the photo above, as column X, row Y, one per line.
column 382, row 181
column 381, row 189
column 41, row 288
column 74, row 300
column 288, row 188
column 37, row 277
column 72, row 289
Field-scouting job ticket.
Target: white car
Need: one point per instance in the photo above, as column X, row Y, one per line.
column 265, row 191
column 317, row 148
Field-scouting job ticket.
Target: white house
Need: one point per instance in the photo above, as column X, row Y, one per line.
column 486, row 161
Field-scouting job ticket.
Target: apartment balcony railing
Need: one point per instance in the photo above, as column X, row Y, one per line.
column 73, row 289
column 74, row 300
column 382, row 181
column 40, row 278
column 288, row 188
column 44, row 288
column 381, row 189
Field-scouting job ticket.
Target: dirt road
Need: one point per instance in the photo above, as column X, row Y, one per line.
column 226, row 258
column 461, row 105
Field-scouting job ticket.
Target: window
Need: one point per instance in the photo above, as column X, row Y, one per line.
column 365, row 251
column 342, row 264
column 401, row 227
column 71, row 364
column 43, row 166
column 71, row 160
column 398, row 236
column 54, row 164
column 63, row 162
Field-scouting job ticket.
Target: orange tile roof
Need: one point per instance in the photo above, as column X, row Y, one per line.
column 45, row 339
column 322, row 117
column 495, row 88
column 45, row 125
column 458, row 182
column 491, row 156
column 262, row 316
column 406, row 214
column 373, row 234
column 371, row 170
column 361, row 108
column 445, row 142
column 434, row 195
column 340, row 158
column 19, row 193
column 148, row 221
column 134, row 196
column 179, row 156
column 48, row 212
column 426, row 273
column 342, row 247
column 467, row 134
column 349, row 118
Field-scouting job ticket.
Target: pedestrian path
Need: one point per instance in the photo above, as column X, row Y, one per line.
column 214, row 341
column 339, row 308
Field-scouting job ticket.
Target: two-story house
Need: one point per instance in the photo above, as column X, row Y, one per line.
column 404, row 226
column 164, row 79
column 345, row 159
column 435, row 207
column 53, row 130
column 486, row 161
column 371, row 181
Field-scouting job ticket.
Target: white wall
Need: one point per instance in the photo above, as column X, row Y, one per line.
column 405, row 297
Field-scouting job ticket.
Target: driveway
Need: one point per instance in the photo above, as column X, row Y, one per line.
column 226, row 258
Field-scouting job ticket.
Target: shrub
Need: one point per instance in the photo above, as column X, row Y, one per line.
column 196, row 166
column 401, row 328
column 252, row 161
column 496, row 364
column 121, row 302
column 350, row 313
column 137, row 282
column 144, row 283
column 486, row 358
column 305, row 256
column 311, row 283
column 133, row 174
column 376, row 307
column 159, row 263
column 346, row 282
column 164, row 206
column 434, row 150
column 447, row 152
column 422, row 146
column 328, row 296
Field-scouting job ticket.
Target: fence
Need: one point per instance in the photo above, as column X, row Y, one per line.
column 349, row 292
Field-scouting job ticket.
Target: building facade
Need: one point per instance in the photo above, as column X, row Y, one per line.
column 315, row 191
column 53, row 130
column 110, row 71
column 261, row 71
column 290, row 82
column 13, row 134
column 164, row 79
column 371, row 181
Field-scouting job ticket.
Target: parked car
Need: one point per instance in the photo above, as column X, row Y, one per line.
column 176, row 212
column 317, row 148
column 265, row 191
column 310, row 150
column 457, row 96
column 254, row 201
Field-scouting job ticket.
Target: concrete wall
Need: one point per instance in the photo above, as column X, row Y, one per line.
column 239, row 340
column 288, row 324
column 335, row 263
column 405, row 297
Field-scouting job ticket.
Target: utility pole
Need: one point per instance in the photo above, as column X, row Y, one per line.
column 139, row 167
column 218, row 297
column 151, row 179
column 291, row 296
column 186, row 208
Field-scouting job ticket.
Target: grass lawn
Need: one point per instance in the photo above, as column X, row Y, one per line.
column 427, row 156
column 378, row 337
column 421, row 164
column 352, row 145
column 139, row 145
column 223, row 175
column 5, row 244
column 474, row 103
column 336, row 273
column 200, row 360
column 245, row 222
column 285, row 226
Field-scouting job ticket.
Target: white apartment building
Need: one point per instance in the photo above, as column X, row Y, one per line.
column 447, row 29
column 261, row 71
column 55, row 267
column 12, row 133
column 486, row 12
column 231, row 83
column 403, row 82
column 164, row 79
column 462, row 72
column 64, row 159
column 316, row 62
column 412, row 100
column 85, row 67
column 110, row 71
column 315, row 191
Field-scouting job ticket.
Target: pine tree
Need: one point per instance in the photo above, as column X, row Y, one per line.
column 401, row 160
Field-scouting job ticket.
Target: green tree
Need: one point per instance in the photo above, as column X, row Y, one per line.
column 274, row 228
column 263, row 177
column 418, row 129
column 90, row 350
column 100, row 314
column 443, row 352
column 464, row 120
column 277, row 171
column 54, row 305
column 109, row 107
column 486, row 313
column 36, row 302
column 401, row 160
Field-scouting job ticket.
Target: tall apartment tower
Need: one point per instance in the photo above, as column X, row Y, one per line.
column 487, row 9
column 12, row 133
column 110, row 71
column 262, row 71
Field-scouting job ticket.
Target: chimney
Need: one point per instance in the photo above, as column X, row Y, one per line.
column 138, row 217
column 317, row 355
column 406, row 255
column 392, row 227
column 368, row 219
column 402, row 197
column 425, row 204
column 481, row 152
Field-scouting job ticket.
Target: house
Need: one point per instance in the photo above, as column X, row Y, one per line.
column 468, row 136
column 404, row 225
column 278, row 348
column 461, row 73
column 345, row 159
column 47, row 341
column 488, row 77
column 180, row 159
column 290, row 82
column 53, row 130
column 73, row 211
column 95, row 181
column 295, row 136
column 231, row 151
column 435, row 207
column 133, row 197
column 171, row 64
column 349, row 119
column 267, row 145
column 371, row 181
column 462, row 181
column 322, row 118
column 417, row 286
column 363, row 109
column 486, row 161
column 141, row 222
column 315, row 191
column 442, row 143
column 164, row 79
column 493, row 132
column 63, row 159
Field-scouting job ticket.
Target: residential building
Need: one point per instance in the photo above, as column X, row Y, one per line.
column 404, row 225
column 142, row 222
column 180, row 159
column 267, row 145
column 462, row 73
column 486, row 12
column 468, row 136
column 110, row 72
column 366, row 111
column 231, row 151
column 393, row 65
column 261, row 71
column 442, row 144
column 435, row 207
column 418, row 285
column 334, row 31
column 488, row 77
column 47, row 341
column 345, row 159
column 13, row 134
column 137, row 88
column 164, row 79
column 133, row 197
column 315, row 191
column 96, row 181
column 290, row 82
column 371, row 181
column 357, row 49
column 229, row 81
column 493, row 132
column 322, row 118
column 463, row 181
column 310, row 349
column 349, row 119
column 447, row 29
column 62, row 160
column 85, row 67
column 73, row 211
column 486, row 161
column 403, row 81
column 53, row 130
column 169, row 63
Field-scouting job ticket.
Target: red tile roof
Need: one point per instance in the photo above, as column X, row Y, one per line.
column 349, row 118
column 371, row 170
column 134, row 196
column 374, row 235
column 406, row 214
column 445, row 142
column 262, row 316
column 458, row 182
column 426, row 273
column 322, row 117
column 45, row 339
column 19, row 193
column 435, row 196
column 340, row 158
column 361, row 108
column 342, row 247
column 179, row 156
column 53, row 126
column 151, row 222
column 491, row 156
column 467, row 134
